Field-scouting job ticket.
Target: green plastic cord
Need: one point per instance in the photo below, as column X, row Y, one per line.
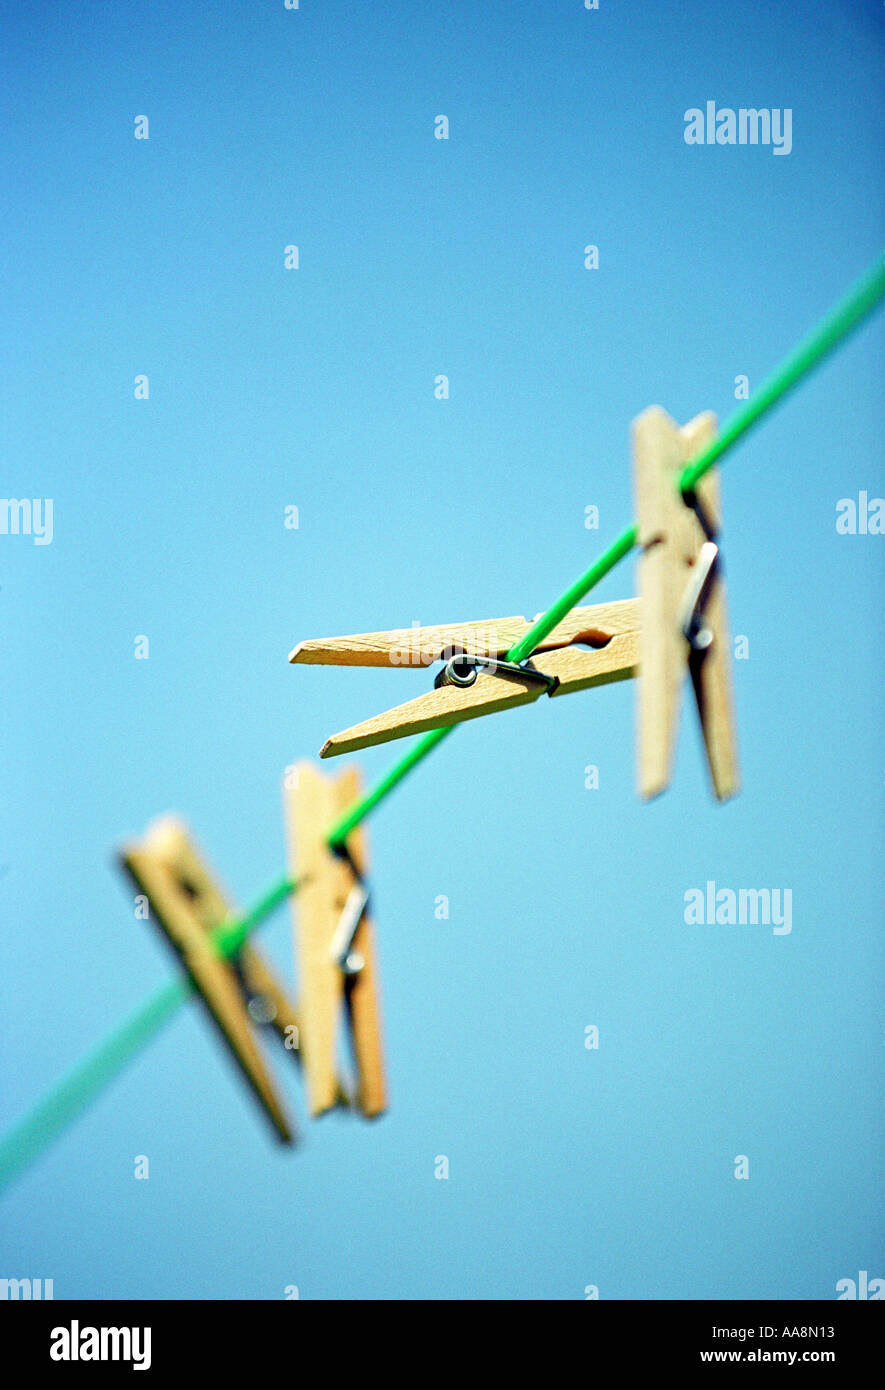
column 351, row 818
column 27, row 1139
column 230, row 936
column 848, row 314
column 860, row 301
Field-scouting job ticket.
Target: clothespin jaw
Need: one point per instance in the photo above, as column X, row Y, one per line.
column 187, row 904
column 335, row 947
column 684, row 623
column 591, row 646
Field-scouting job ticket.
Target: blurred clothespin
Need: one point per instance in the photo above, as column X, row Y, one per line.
column 239, row 992
column 684, row 622
column 591, row 646
column 335, row 950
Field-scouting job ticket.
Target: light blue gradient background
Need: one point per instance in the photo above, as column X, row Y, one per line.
column 315, row 388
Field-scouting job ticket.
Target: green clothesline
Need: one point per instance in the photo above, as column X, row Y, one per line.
column 860, row 301
column 69, row 1097
column 32, row 1134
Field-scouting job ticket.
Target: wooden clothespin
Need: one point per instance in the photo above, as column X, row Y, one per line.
column 591, row 646
column 187, row 905
column 335, row 952
column 682, row 596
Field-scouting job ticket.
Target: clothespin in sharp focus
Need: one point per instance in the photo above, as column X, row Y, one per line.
column 476, row 678
column 682, row 594
column 239, row 992
column 335, row 951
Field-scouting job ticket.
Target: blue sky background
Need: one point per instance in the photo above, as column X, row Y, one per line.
column 314, row 388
